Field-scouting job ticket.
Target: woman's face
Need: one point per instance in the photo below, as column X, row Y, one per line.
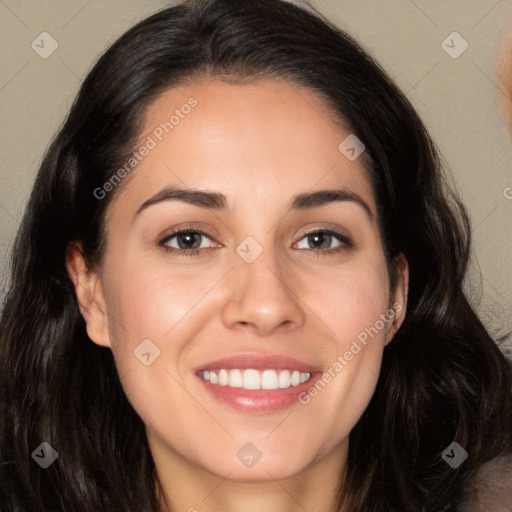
column 248, row 296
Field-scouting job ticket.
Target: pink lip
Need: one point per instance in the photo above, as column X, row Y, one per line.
column 258, row 401
column 258, row 362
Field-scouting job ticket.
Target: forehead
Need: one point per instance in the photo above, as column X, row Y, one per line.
column 268, row 138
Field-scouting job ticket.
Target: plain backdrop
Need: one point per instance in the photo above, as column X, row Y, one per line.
column 456, row 95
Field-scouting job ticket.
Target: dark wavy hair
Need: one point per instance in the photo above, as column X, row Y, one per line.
column 443, row 377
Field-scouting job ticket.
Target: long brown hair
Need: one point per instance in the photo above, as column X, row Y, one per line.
column 443, row 379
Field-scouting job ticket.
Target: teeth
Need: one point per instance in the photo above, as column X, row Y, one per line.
column 235, row 379
column 251, row 379
column 269, row 379
column 223, row 378
column 254, row 379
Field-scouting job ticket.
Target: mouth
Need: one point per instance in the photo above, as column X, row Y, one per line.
column 257, row 383
column 252, row 379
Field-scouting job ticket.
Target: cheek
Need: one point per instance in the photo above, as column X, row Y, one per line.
column 351, row 299
column 148, row 301
column 354, row 304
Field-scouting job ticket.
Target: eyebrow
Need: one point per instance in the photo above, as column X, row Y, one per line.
column 217, row 201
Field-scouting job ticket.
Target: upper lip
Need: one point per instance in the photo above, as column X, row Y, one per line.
column 258, row 362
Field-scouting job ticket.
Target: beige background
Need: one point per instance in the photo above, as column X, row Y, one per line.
column 457, row 98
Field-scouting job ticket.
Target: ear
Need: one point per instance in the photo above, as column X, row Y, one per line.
column 401, row 291
column 89, row 294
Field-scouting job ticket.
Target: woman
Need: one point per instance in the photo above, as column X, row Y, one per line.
column 174, row 334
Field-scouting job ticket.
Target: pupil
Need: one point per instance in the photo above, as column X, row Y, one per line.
column 189, row 237
column 316, row 236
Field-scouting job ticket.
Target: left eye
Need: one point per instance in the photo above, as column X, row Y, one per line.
column 190, row 240
column 323, row 240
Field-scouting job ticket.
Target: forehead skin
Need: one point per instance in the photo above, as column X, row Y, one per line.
column 227, row 142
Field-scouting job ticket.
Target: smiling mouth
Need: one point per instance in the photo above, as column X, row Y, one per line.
column 252, row 379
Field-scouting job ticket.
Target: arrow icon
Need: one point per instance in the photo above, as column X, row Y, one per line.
column 249, row 254
column 454, row 45
column 146, row 352
column 44, row 455
column 351, row 147
column 249, row 455
column 44, row 45
column 454, row 455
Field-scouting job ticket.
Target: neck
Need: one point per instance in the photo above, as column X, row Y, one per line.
column 185, row 487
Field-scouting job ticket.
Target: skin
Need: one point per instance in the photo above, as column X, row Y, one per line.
column 504, row 72
column 260, row 144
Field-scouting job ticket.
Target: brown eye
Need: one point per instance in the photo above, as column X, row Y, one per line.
column 322, row 241
column 185, row 241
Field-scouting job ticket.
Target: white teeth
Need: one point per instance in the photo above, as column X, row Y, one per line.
column 285, row 380
column 269, row 379
column 223, row 378
column 251, row 379
column 254, row 379
column 235, row 379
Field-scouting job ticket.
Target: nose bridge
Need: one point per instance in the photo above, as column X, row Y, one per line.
column 261, row 290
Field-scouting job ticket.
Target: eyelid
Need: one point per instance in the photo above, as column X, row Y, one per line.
column 195, row 229
column 184, row 228
column 177, row 231
column 341, row 235
column 335, row 231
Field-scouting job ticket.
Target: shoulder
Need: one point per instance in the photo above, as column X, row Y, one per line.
column 490, row 488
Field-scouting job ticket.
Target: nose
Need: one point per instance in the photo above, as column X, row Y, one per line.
column 262, row 297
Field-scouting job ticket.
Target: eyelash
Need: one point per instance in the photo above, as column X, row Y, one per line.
column 346, row 243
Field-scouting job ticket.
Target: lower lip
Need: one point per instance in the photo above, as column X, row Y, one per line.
column 263, row 401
